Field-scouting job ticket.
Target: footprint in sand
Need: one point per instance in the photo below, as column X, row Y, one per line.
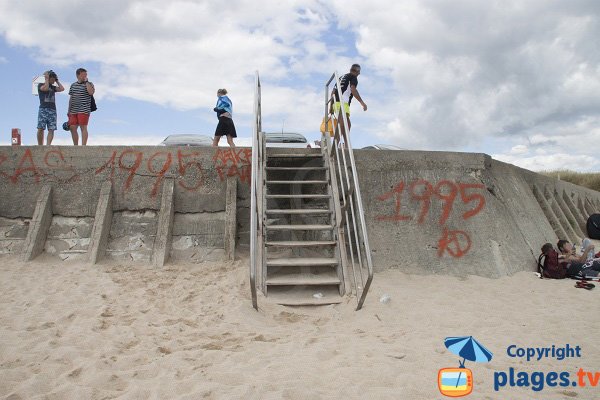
column 286, row 316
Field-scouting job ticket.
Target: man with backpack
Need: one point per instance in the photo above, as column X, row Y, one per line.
column 80, row 106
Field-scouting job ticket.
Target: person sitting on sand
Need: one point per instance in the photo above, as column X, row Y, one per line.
column 578, row 266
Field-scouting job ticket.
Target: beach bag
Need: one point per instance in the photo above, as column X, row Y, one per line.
column 549, row 266
column 328, row 125
column 93, row 105
column 593, row 226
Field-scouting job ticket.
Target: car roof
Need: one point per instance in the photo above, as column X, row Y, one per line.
column 383, row 147
column 188, row 139
column 283, row 137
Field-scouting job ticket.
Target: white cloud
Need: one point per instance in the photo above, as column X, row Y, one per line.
column 436, row 75
column 3, row 60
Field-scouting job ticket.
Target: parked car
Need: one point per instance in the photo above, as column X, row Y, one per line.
column 286, row 139
column 187, row 140
column 382, row 147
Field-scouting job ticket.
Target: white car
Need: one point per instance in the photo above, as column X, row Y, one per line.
column 286, row 139
column 187, row 140
column 382, row 147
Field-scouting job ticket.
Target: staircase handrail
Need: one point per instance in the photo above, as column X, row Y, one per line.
column 255, row 218
column 339, row 162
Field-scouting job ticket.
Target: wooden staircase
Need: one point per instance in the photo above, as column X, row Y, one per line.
column 302, row 257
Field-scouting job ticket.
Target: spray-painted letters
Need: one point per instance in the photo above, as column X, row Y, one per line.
column 456, row 243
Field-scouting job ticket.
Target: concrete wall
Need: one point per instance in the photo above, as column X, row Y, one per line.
column 458, row 213
column 137, row 175
column 426, row 212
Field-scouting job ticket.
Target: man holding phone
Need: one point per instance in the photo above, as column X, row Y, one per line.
column 47, row 111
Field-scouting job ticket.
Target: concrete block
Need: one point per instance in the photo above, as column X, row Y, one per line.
column 164, row 232
column 230, row 217
column 38, row 228
column 102, row 222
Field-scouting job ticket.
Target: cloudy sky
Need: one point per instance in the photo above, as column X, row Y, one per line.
column 516, row 79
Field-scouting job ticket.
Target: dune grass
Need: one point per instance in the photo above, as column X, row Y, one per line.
column 590, row 180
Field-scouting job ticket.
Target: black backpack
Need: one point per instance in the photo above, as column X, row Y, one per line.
column 93, row 105
column 593, row 226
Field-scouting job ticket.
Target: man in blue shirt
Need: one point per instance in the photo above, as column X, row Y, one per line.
column 47, row 111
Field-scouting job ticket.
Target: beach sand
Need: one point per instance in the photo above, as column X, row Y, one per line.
column 73, row 331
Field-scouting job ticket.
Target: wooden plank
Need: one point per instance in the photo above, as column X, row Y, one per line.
column 298, row 196
column 301, row 262
column 300, row 211
column 297, row 182
column 299, row 227
column 303, row 279
column 299, row 243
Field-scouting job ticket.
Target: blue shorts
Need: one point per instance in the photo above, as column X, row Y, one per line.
column 47, row 117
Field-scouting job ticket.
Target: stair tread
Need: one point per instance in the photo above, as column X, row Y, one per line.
column 299, row 211
column 296, row 168
column 299, row 227
column 303, row 279
column 304, row 296
column 301, row 261
column 297, row 182
column 301, row 243
column 292, row 155
column 298, row 196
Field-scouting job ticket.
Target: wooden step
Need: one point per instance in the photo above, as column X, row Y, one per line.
column 298, row 196
column 296, row 168
column 297, row 182
column 300, row 243
column 299, row 227
column 292, row 155
column 303, row 279
column 303, row 296
column 301, row 262
column 300, row 211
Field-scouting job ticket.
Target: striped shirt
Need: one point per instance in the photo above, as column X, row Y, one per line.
column 80, row 98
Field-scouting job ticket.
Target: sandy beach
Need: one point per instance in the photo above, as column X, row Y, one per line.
column 71, row 331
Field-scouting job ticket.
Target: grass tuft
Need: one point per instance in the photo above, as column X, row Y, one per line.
column 590, row 180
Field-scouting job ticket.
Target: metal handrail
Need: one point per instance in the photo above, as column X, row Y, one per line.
column 342, row 159
column 255, row 218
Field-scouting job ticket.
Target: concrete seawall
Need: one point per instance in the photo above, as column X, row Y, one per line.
column 426, row 212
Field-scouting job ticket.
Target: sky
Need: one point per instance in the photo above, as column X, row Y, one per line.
column 516, row 79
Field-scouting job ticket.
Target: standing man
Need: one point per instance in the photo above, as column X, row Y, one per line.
column 81, row 93
column 47, row 112
column 348, row 83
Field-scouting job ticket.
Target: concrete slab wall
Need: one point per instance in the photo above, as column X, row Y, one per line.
column 137, row 176
column 426, row 212
column 455, row 213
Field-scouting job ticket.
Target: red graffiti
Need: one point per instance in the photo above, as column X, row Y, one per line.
column 160, row 174
column 130, row 161
column 110, row 163
column 234, row 162
column 468, row 198
column 456, row 243
column 422, row 191
column 137, row 161
column 55, row 160
column 397, row 193
column 183, row 168
column 27, row 158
